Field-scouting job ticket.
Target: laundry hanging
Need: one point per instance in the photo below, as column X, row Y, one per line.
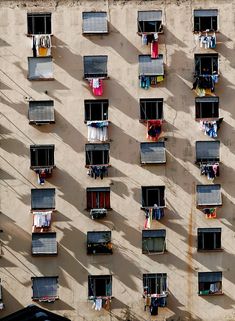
column 98, row 171
column 42, row 219
column 41, row 45
column 154, row 49
column 154, row 129
column 207, row 41
column 97, row 86
column 210, row 212
column 97, row 131
column 210, row 170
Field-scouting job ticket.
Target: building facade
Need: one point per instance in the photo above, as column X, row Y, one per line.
column 112, row 108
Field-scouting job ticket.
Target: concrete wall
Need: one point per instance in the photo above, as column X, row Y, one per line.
column 69, row 134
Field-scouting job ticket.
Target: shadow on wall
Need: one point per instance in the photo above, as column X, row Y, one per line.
column 223, row 301
column 117, row 42
column 11, row 303
column 168, row 38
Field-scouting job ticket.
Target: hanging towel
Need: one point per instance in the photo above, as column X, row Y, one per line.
column 98, row 91
column 154, row 49
column 98, row 304
column 144, row 39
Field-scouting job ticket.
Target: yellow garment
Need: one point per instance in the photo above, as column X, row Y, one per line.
column 42, row 51
column 208, row 91
column 160, row 78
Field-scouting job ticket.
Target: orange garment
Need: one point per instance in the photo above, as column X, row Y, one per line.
column 42, row 51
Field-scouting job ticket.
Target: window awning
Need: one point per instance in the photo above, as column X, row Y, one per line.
column 44, row 243
column 207, row 151
column 99, row 237
column 41, row 111
column 95, row 65
column 152, row 153
column 150, row 15
column 40, row 68
column 206, row 13
column 43, row 198
column 209, row 195
column 90, row 147
column 95, row 22
column 209, row 230
column 207, row 99
column 153, row 233
column 151, row 67
column 98, row 189
column 44, row 287
column 42, row 147
column 209, row 276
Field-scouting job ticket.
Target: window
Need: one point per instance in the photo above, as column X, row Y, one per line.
column 94, row 22
column 209, row 195
column 153, row 241
column 95, row 66
column 43, row 199
column 40, row 68
column 45, row 288
column 208, row 151
column 44, row 243
column 98, row 197
column 155, row 283
column 207, row 107
column 39, row 23
column 99, row 286
column 205, row 20
column 96, row 110
column 149, row 21
column 206, row 64
column 153, row 195
column 209, row 283
column 151, row 67
column 97, row 154
column 99, row 243
column 42, row 156
column 208, row 239
column 153, row 153
column 151, row 108
column 41, row 112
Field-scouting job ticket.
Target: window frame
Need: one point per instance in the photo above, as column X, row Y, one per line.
column 53, row 235
column 37, row 15
column 53, row 196
column 198, row 186
column 160, row 190
column 94, row 248
column 214, row 62
column 104, row 105
column 50, row 158
column 199, row 108
column 203, row 284
column 102, row 75
column 34, row 77
column 201, row 232
column 92, row 279
column 199, row 18
column 141, row 24
column 93, row 195
column 41, row 103
column 46, row 297
column 154, row 238
column 94, row 32
column 160, row 283
column 143, row 102
column 89, row 157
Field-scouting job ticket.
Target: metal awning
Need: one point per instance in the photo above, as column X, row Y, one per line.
column 90, row 147
column 206, row 13
column 154, row 15
column 43, row 199
column 41, row 111
column 44, row 287
column 209, row 276
column 99, row 237
column 153, row 233
column 209, row 230
column 94, row 22
column 40, row 68
column 151, row 67
column 98, row 189
column 153, row 153
column 207, row 151
column 44, row 243
column 209, row 195
column 207, row 99
column 95, row 65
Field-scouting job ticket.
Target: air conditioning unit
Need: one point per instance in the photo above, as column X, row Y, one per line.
column 98, row 213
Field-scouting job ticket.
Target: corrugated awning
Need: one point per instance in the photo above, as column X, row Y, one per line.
column 42, row 147
column 44, row 243
column 207, row 150
column 151, row 67
column 206, row 13
column 95, row 65
column 153, row 153
column 90, row 147
column 40, row 68
column 95, row 22
column 43, row 199
column 41, row 111
column 209, row 230
column 209, row 195
column 99, row 237
column 98, row 189
column 45, row 287
column 154, row 15
column 153, row 233
column 207, row 99
column 210, row 276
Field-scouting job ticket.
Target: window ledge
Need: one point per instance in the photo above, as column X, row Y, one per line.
column 146, row 120
column 94, row 33
column 208, row 251
column 207, row 119
column 40, row 79
column 147, row 207
column 150, row 33
column 100, row 297
column 211, row 294
column 106, row 165
column 102, row 77
column 42, row 167
column 155, row 253
column 85, row 121
column 89, row 209
column 30, row 35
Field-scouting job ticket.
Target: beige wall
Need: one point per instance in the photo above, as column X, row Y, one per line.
column 180, row 175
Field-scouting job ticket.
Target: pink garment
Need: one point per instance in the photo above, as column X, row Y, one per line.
column 215, row 168
column 154, row 49
column 98, row 91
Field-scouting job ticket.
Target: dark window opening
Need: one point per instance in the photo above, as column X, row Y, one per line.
column 153, row 241
column 97, row 154
column 39, row 23
column 95, row 66
column 42, row 155
column 205, row 20
column 150, row 21
column 209, row 283
column 151, row 109
column 99, row 243
column 207, row 107
column 152, row 195
column 96, row 110
column 155, row 283
column 206, row 64
column 98, row 198
column 99, row 285
column 209, row 238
